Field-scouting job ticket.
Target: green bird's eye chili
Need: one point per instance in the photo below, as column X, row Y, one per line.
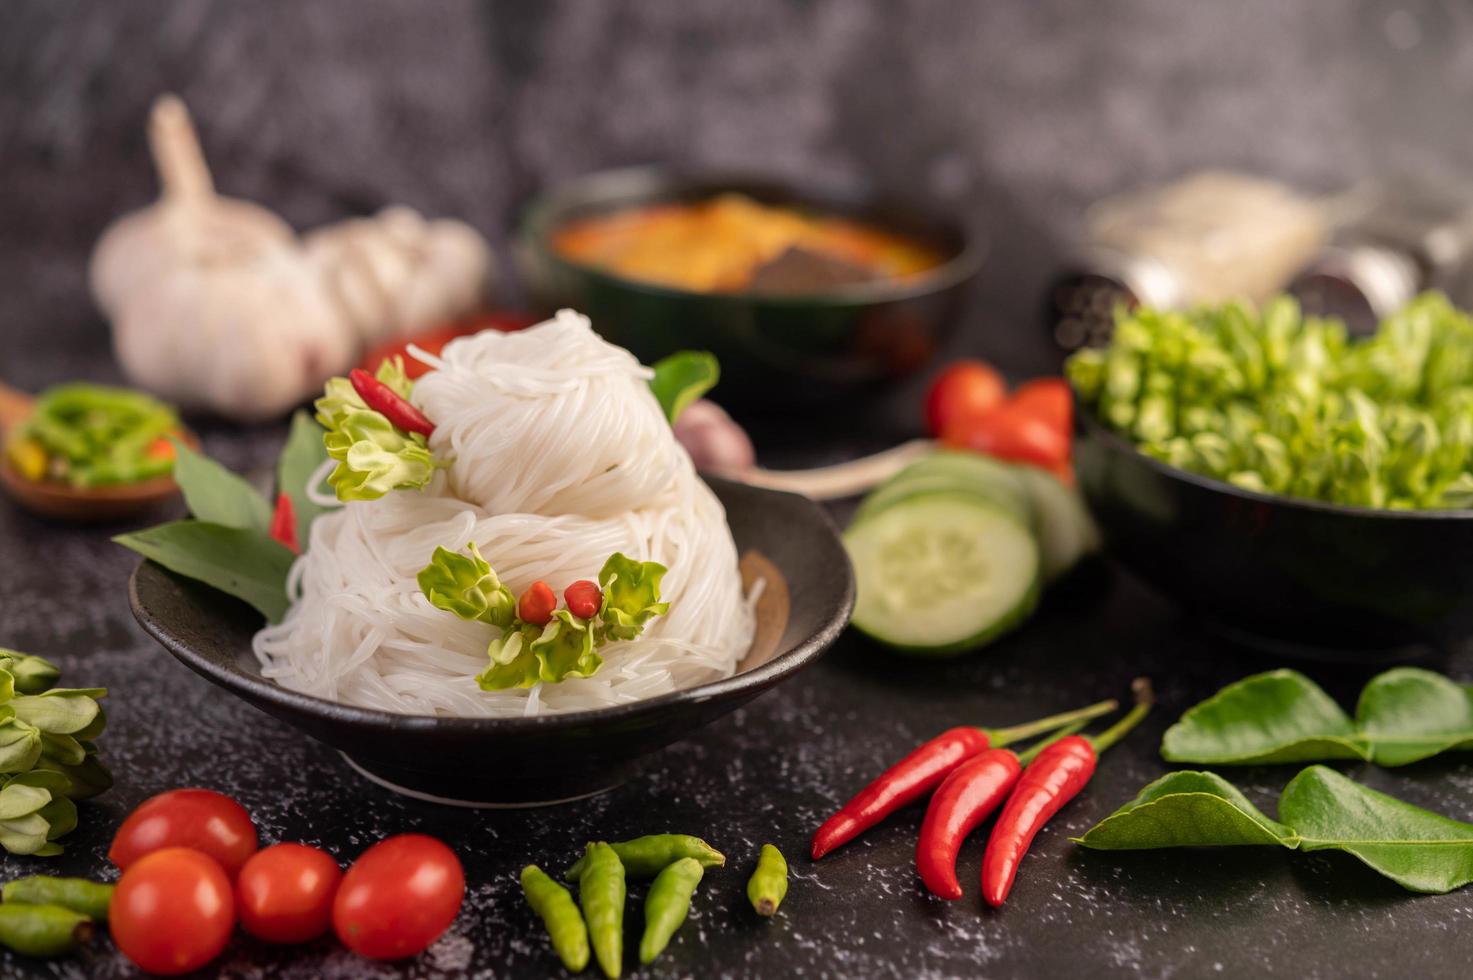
column 1054, row 778
column 42, row 930
column 667, row 904
column 559, row 914
column 90, row 898
column 923, row 770
column 769, row 883
column 645, row 857
column 601, row 893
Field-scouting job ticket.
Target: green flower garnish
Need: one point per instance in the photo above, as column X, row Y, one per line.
column 466, row 586
column 631, row 595
column 524, row 654
column 374, row 456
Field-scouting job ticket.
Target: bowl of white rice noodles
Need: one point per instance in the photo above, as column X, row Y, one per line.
column 558, row 456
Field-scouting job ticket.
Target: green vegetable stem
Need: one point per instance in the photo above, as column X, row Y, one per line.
column 90, row 898
column 601, row 893
column 666, row 906
column 1319, row 810
column 1276, row 402
column 769, row 883
column 559, row 914
column 43, row 930
column 1404, row 715
column 645, row 857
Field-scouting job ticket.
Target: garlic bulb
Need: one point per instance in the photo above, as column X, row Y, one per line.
column 213, row 302
column 397, row 273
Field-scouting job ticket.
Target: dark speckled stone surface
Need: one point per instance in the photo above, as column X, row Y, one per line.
column 1015, row 114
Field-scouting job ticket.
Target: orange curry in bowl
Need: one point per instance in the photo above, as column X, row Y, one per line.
column 733, row 244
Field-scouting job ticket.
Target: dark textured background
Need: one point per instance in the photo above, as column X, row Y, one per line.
column 1015, row 114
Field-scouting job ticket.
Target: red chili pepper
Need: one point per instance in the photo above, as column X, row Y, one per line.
column 537, row 604
column 1054, row 778
column 584, row 598
column 284, row 523
column 965, row 799
column 381, row 398
column 923, row 769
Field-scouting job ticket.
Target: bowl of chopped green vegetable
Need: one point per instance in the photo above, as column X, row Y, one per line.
column 1300, row 488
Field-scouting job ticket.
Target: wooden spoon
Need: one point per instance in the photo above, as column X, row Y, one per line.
column 62, row 501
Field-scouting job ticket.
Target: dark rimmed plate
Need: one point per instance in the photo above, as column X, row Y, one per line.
column 787, row 540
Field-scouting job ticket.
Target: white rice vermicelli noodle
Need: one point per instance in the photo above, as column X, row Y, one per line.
column 560, row 456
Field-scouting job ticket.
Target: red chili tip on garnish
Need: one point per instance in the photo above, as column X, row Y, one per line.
column 284, row 523
column 584, row 598
column 385, row 400
column 537, row 604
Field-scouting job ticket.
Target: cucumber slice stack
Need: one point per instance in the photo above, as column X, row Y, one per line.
column 953, row 551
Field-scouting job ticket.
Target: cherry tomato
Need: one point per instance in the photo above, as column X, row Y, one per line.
column 537, row 604
column 173, row 911
column 1012, row 433
column 398, row 897
column 584, row 598
column 966, row 389
column 1048, row 399
column 285, row 893
column 199, row 818
column 433, row 340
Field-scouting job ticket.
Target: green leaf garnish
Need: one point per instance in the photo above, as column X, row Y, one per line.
column 513, row 664
column 1186, row 809
column 303, row 453
column 244, row 563
column 683, row 377
column 466, row 586
column 216, row 495
column 631, row 595
column 565, row 648
column 23, row 673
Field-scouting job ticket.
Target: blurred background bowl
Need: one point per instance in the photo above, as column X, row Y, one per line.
column 776, row 351
column 1291, row 576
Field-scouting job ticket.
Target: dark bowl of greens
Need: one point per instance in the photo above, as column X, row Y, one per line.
column 803, row 328
column 1304, row 491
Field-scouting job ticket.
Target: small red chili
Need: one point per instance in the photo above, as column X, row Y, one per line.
column 381, row 398
column 584, row 598
column 923, row 769
column 537, row 604
column 1054, row 778
column 284, row 523
column 960, row 804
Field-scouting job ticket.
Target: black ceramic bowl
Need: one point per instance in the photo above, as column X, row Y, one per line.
column 775, row 350
column 785, row 539
column 1294, row 576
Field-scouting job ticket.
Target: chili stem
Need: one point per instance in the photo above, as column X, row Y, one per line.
column 1144, row 698
column 1065, row 732
column 1006, row 736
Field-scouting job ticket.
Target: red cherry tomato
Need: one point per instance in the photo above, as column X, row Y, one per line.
column 1013, row 434
column 537, row 604
column 199, row 818
column 1048, row 399
column 433, row 340
column 285, row 893
column 398, row 897
column 173, row 911
column 584, row 598
column 966, row 389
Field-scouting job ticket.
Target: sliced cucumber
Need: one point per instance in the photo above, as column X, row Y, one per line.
column 992, row 480
column 1066, row 532
column 942, row 572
